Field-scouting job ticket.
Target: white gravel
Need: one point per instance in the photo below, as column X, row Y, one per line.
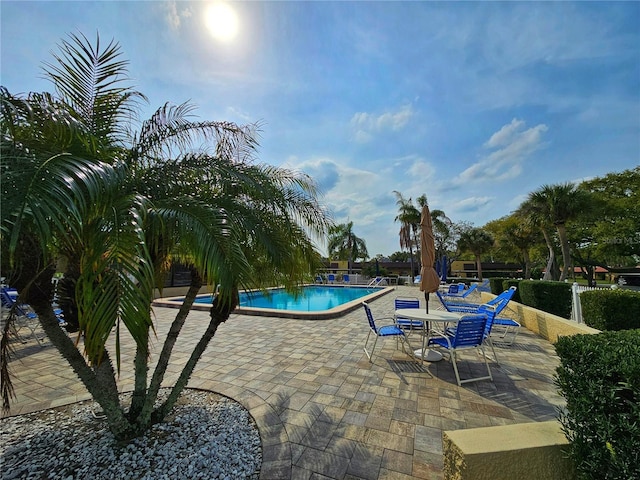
column 205, row 436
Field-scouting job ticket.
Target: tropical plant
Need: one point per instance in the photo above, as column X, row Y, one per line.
column 118, row 208
column 531, row 212
column 478, row 242
column 409, row 218
column 557, row 205
column 343, row 244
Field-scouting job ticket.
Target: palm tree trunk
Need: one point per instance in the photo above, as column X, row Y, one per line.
column 220, row 312
column 566, row 252
column 527, row 263
column 99, row 380
column 548, row 273
column 143, row 412
column 479, row 265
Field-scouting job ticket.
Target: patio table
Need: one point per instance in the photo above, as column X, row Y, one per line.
column 425, row 318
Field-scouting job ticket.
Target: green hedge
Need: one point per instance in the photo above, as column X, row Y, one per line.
column 611, row 309
column 513, row 283
column 496, row 285
column 550, row 297
column 599, row 376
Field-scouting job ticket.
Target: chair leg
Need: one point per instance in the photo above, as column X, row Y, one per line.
column 370, row 355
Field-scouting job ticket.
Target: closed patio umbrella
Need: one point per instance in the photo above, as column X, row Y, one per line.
column 429, row 281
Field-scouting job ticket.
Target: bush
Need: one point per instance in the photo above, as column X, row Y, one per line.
column 496, row 285
column 506, row 284
column 550, row 297
column 611, row 309
column 599, row 376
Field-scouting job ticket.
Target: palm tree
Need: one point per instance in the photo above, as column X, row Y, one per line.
column 478, row 242
column 343, row 244
column 120, row 207
column 557, row 205
column 532, row 213
column 409, row 218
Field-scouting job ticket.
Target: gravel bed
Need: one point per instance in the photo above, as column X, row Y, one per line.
column 205, row 436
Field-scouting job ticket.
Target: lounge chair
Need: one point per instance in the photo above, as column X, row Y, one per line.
column 383, row 331
column 469, row 333
column 22, row 316
column 331, row 278
column 499, row 303
column 345, row 278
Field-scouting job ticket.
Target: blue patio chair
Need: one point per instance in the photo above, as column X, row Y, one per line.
column 462, row 294
column 469, row 334
column 499, row 303
column 319, row 279
column 345, row 278
column 383, row 331
column 22, row 316
column 331, row 278
column 406, row 323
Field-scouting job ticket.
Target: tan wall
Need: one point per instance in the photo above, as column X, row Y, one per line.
column 542, row 323
column 534, row 451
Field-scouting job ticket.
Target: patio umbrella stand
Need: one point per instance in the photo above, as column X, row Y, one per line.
column 429, row 280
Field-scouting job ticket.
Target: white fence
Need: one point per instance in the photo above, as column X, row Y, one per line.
column 576, row 307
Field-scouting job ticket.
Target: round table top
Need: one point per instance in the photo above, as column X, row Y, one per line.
column 432, row 316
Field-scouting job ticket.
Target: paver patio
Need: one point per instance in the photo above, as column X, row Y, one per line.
column 323, row 410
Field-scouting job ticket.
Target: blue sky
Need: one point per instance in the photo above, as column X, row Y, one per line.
column 475, row 104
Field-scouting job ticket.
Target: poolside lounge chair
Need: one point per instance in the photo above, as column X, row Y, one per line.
column 469, row 333
column 345, row 278
column 499, row 303
column 23, row 318
column 383, row 331
column 331, row 278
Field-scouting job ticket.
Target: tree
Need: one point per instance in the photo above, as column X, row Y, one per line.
column 533, row 213
column 514, row 239
column 409, row 218
column 478, row 242
column 119, row 207
column 558, row 204
column 345, row 245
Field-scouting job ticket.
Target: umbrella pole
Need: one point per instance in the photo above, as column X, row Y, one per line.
column 426, row 298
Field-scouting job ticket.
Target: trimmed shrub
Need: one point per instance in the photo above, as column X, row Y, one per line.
column 512, row 283
column 496, row 285
column 599, row 376
column 550, row 297
column 611, row 309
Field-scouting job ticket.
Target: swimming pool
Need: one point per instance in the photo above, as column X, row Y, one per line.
column 313, row 302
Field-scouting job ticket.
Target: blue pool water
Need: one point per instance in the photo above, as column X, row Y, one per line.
column 312, row 298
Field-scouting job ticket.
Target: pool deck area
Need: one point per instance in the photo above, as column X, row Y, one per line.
column 323, row 410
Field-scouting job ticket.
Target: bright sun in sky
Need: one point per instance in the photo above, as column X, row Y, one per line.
column 222, row 21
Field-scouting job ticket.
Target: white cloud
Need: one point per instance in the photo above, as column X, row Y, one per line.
column 367, row 124
column 174, row 17
column 512, row 145
column 471, row 204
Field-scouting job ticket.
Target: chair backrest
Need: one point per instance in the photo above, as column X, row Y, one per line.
column 453, row 288
column 345, row 278
column 331, row 277
column 6, row 299
column 490, row 312
column 407, row 302
column 501, row 301
column 370, row 319
column 470, row 331
column 442, row 300
column 469, row 290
